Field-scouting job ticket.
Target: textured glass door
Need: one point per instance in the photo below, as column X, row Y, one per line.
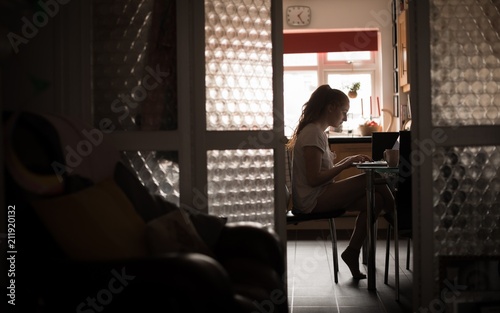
column 196, row 102
column 134, row 88
column 239, row 105
column 456, row 154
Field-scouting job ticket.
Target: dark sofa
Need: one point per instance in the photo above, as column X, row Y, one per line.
column 233, row 267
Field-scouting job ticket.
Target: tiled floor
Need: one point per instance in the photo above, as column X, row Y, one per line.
column 311, row 286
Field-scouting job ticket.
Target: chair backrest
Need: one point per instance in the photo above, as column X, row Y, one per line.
column 404, row 198
column 386, row 140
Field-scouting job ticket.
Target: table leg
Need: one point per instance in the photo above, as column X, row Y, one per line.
column 370, row 198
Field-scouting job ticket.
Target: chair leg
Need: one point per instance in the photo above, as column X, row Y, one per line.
column 333, row 234
column 408, row 248
column 387, row 253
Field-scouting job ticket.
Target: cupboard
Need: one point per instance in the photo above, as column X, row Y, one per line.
column 401, row 62
column 404, row 81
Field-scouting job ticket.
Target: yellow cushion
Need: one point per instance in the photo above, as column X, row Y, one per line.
column 96, row 223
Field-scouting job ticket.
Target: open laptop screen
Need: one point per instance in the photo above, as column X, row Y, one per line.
column 382, row 141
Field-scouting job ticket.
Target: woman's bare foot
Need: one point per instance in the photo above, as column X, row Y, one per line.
column 351, row 258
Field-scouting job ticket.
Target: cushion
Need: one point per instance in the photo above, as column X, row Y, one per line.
column 145, row 204
column 150, row 206
column 209, row 227
column 174, row 232
column 165, row 205
column 96, row 223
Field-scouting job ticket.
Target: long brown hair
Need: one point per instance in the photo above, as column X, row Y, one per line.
column 315, row 107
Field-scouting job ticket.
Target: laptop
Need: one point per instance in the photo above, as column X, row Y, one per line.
column 382, row 141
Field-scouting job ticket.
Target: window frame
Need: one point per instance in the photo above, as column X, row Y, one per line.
column 325, row 67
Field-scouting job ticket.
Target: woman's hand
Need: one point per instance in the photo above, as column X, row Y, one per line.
column 350, row 160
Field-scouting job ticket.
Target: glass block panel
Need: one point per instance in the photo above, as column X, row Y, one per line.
column 465, row 67
column 133, row 70
column 157, row 170
column 238, row 64
column 241, row 185
column 467, row 200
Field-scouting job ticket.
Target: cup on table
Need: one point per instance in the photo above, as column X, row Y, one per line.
column 391, row 156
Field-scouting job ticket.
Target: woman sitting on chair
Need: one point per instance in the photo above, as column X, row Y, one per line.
column 314, row 188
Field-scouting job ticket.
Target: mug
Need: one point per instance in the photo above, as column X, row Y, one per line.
column 391, row 156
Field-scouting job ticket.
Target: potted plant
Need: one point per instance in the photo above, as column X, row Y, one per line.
column 353, row 90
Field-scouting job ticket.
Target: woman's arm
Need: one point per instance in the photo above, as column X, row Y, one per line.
column 316, row 176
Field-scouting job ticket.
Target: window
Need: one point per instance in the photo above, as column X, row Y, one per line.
column 304, row 72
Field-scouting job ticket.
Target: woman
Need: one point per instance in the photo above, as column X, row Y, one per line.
column 314, row 188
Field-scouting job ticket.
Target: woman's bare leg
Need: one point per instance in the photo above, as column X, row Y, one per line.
column 350, row 195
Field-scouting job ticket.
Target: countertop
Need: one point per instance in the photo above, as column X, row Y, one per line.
column 349, row 139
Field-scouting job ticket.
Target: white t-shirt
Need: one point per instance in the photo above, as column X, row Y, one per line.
column 305, row 196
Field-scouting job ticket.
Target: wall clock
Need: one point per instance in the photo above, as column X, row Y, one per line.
column 298, row 15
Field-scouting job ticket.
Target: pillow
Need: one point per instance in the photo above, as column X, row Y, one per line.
column 96, row 223
column 209, row 227
column 165, row 205
column 174, row 232
column 143, row 201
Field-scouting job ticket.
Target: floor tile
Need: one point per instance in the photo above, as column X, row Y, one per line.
column 311, row 283
column 352, row 309
column 315, row 301
column 315, row 309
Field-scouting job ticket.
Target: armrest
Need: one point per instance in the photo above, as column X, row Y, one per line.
column 252, row 241
column 176, row 282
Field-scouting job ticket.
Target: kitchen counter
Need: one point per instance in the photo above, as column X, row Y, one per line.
column 345, row 146
column 349, row 139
